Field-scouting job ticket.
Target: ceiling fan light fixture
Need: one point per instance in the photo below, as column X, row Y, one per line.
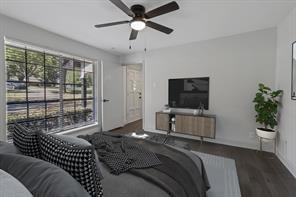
column 138, row 25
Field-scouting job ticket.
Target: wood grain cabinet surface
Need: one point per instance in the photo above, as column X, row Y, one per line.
column 202, row 126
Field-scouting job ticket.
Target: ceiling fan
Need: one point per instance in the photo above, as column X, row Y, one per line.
column 140, row 16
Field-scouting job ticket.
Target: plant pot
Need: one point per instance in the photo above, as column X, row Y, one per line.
column 266, row 133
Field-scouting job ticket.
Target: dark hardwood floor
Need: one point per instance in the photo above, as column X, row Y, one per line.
column 261, row 174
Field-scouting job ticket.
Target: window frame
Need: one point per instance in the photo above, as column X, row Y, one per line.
column 45, row 83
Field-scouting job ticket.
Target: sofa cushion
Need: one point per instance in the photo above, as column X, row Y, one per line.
column 11, row 187
column 26, row 141
column 6, row 147
column 40, row 177
column 74, row 155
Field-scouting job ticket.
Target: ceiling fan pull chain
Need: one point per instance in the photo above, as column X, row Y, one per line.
column 130, row 45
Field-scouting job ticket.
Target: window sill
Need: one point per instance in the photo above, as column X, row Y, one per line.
column 91, row 126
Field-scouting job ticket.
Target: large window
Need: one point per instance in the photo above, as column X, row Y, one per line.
column 47, row 91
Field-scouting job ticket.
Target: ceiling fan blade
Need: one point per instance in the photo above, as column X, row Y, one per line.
column 162, row 10
column 123, row 7
column 133, row 35
column 111, row 24
column 159, row 27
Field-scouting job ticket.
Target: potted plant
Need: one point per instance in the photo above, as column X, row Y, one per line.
column 266, row 106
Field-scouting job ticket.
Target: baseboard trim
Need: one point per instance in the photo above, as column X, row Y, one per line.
column 134, row 120
column 287, row 164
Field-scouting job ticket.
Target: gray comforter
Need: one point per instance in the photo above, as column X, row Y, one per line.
column 181, row 174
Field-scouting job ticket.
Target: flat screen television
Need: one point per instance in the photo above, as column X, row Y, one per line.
column 189, row 93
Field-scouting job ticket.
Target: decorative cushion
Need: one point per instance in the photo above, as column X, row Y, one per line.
column 11, row 187
column 26, row 141
column 41, row 178
column 76, row 156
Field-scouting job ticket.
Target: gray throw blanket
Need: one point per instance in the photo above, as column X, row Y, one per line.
column 121, row 153
column 177, row 174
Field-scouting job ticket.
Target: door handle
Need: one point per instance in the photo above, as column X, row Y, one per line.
column 105, row 100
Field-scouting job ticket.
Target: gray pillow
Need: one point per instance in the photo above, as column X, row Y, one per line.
column 8, row 148
column 11, row 187
column 40, row 177
column 76, row 156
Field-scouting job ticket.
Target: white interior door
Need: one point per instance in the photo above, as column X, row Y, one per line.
column 133, row 94
column 112, row 95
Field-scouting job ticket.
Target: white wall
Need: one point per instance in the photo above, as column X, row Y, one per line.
column 235, row 65
column 17, row 30
column 286, row 35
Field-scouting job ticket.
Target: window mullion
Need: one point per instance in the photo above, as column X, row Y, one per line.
column 27, row 79
column 61, row 119
column 45, row 99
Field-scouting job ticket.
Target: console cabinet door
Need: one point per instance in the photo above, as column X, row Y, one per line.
column 207, row 127
column 186, row 124
column 195, row 125
column 162, row 121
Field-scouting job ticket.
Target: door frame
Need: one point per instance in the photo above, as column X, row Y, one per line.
column 125, row 91
column 100, row 100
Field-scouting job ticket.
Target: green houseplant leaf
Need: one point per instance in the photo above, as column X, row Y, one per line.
column 266, row 106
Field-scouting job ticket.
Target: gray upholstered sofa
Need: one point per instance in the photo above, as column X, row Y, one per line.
column 30, row 176
column 48, row 165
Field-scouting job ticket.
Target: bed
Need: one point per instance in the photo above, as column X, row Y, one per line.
column 182, row 173
column 168, row 171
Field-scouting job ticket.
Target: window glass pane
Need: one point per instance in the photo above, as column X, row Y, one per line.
column 35, row 125
column 35, row 73
column 52, row 92
column 16, row 112
column 78, row 76
column 89, row 111
column 15, row 71
column 10, row 130
column 53, row 109
column 80, row 118
column 36, row 110
column 13, row 53
column 52, row 74
column 78, row 65
column 89, row 84
column 79, row 115
column 78, row 92
column 68, row 91
column 69, row 111
column 67, row 63
column 52, row 60
column 15, row 91
column 80, row 105
column 35, row 57
column 68, row 76
column 69, row 108
column 35, row 92
column 88, row 67
column 52, row 124
column 68, row 122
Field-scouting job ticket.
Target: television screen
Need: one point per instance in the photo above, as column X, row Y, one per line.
column 189, row 93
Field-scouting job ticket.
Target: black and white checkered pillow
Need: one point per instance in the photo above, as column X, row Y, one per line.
column 77, row 160
column 26, row 141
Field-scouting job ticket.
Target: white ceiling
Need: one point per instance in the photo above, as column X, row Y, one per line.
column 195, row 21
